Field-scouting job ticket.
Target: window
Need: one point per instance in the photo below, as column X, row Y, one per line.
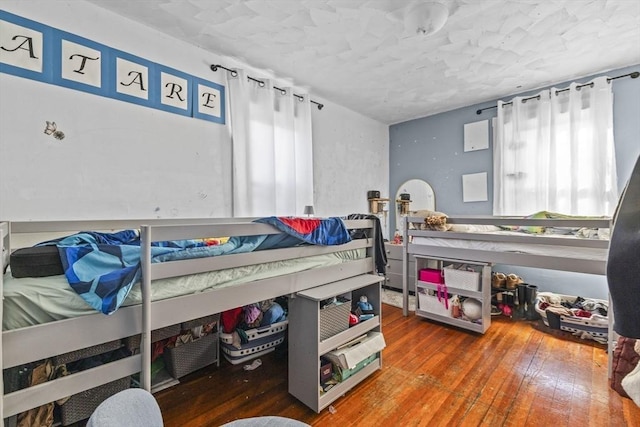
column 555, row 152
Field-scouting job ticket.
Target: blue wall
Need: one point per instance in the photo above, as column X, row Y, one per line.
column 431, row 148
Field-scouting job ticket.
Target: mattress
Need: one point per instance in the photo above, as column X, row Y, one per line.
column 35, row 300
column 557, row 250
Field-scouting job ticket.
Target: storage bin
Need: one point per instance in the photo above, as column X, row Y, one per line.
column 256, row 333
column 189, row 357
column 80, row 406
column 334, row 319
column 252, row 349
column 201, row 321
column 349, row 357
column 133, row 342
column 431, row 275
column 428, row 301
column 597, row 327
column 344, row 373
column 83, row 353
column 461, row 278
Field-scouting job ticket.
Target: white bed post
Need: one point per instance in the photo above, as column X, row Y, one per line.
column 4, row 232
column 405, row 267
column 145, row 342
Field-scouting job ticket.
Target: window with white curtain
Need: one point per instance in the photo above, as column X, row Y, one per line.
column 272, row 149
column 555, row 152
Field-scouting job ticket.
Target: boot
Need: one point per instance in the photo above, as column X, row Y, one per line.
column 531, row 292
column 522, row 298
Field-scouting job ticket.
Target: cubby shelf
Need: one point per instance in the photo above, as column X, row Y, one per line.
column 306, row 348
column 483, row 295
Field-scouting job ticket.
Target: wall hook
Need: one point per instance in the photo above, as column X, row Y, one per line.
column 52, row 129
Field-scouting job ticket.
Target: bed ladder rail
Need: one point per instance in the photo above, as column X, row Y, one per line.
column 32, row 397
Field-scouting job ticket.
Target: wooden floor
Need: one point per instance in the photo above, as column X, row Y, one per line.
column 518, row 374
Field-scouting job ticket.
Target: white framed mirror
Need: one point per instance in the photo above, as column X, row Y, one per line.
column 420, row 197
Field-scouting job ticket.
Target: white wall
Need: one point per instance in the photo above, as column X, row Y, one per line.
column 120, row 160
column 351, row 156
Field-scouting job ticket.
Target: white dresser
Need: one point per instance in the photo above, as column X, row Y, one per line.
column 394, row 268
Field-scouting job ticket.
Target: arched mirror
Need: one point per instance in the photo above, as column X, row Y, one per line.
column 413, row 195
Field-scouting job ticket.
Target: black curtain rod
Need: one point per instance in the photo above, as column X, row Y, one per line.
column 234, row 73
column 633, row 75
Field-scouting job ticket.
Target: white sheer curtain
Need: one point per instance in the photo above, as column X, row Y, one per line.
column 272, row 149
column 556, row 153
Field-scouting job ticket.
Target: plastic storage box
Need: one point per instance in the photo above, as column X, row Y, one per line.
column 261, row 341
column 252, row 349
column 430, row 275
column 597, row 327
column 255, row 333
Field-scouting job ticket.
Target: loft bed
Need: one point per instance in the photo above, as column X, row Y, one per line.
column 34, row 337
column 509, row 241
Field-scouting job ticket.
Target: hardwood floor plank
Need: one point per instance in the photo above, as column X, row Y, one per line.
column 519, row 373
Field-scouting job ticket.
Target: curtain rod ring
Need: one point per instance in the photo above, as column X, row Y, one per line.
column 214, row 67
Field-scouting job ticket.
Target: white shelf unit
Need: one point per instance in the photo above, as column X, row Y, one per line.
column 306, row 348
column 483, row 295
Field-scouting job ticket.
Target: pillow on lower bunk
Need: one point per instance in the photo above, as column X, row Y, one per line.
column 37, row 261
column 474, row 228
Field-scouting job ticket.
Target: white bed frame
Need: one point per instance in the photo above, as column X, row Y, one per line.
column 553, row 262
column 34, row 343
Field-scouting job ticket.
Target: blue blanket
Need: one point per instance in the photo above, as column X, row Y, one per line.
column 103, row 267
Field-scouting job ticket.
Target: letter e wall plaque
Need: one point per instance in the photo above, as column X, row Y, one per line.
column 208, row 101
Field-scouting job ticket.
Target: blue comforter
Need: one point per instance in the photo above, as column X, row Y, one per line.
column 103, row 267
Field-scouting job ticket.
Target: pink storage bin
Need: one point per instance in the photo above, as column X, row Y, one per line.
column 430, row 275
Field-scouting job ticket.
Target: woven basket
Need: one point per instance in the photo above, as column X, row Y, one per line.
column 213, row 318
column 190, row 357
column 80, row 406
column 428, row 301
column 83, row 353
column 334, row 319
column 461, row 279
column 133, row 342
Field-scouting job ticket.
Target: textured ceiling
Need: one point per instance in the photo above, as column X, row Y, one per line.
column 358, row 54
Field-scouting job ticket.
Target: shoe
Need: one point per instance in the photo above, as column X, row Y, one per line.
column 512, row 281
column 498, row 280
column 495, row 311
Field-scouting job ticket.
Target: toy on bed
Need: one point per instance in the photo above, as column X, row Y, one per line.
column 433, row 220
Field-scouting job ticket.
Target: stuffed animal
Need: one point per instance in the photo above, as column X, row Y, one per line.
column 433, row 220
column 364, row 304
column 436, row 222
